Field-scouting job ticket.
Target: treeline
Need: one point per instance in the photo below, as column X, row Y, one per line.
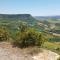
column 25, row 36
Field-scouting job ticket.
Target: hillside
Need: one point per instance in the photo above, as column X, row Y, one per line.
column 53, row 22
column 40, row 23
column 12, row 21
column 17, row 17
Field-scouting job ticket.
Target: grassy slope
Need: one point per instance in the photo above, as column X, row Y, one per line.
column 54, row 20
column 52, row 46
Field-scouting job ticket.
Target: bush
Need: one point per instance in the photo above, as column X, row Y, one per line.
column 28, row 38
column 3, row 34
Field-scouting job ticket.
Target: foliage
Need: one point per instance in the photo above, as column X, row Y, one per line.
column 23, row 26
column 4, row 35
column 30, row 37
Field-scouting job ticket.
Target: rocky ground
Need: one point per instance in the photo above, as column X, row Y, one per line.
column 7, row 52
column 46, row 55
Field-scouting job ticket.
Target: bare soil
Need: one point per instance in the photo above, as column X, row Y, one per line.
column 7, row 52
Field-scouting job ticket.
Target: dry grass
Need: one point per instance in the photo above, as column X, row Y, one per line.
column 29, row 50
column 32, row 50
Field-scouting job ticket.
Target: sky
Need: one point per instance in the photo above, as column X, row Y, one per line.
column 33, row 7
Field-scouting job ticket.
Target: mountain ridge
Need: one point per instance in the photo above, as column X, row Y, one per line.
column 47, row 17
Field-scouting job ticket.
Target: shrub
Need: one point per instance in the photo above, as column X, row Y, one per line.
column 28, row 38
column 3, row 34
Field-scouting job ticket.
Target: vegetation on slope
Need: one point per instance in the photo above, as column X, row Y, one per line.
column 28, row 37
column 25, row 36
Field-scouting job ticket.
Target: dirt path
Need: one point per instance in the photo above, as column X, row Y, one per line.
column 9, row 53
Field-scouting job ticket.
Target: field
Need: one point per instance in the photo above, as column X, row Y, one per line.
column 54, row 20
column 53, row 43
column 55, row 46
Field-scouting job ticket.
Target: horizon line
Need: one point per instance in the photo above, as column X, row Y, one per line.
column 25, row 13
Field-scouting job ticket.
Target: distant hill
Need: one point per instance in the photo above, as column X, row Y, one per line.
column 12, row 21
column 21, row 17
column 46, row 17
column 15, row 16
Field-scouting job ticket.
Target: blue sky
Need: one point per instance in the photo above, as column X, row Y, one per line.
column 33, row 7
